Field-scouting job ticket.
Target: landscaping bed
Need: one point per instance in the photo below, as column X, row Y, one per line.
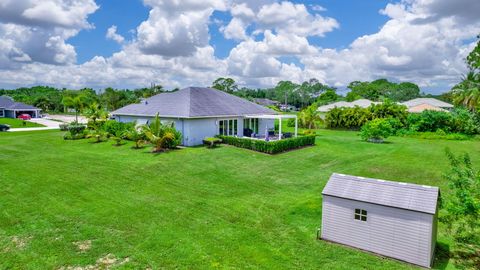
column 270, row 147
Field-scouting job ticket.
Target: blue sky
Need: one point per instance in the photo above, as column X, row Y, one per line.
column 360, row 18
column 133, row 43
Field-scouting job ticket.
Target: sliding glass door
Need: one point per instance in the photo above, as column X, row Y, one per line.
column 228, row 127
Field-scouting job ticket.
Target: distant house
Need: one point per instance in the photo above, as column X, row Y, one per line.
column 266, row 102
column 394, row 219
column 419, row 105
column 203, row 112
column 11, row 109
column 363, row 103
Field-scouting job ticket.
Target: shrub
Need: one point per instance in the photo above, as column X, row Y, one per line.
column 309, row 132
column 75, row 128
column 356, row 117
column 75, row 131
column 464, row 121
column 98, row 135
column 211, row 142
column 113, row 127
column 270, row 147
column 461, row 210
column 376, row 130
column 63, row 127
column 430, row 121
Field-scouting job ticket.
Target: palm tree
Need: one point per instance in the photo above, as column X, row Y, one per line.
column 77, row 103
column 310, row 117
column 137, row 136
column 95, row 112
column 161, row 136
column 467, row 93
column 118, row 137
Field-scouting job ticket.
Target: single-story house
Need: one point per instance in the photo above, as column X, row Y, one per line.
column 266, row 102
column 394, row 219
column 204, row 112
column 363, row 103
column 419, row 105
column 11, row 109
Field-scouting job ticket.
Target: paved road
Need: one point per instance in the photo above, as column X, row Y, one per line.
column 49, row 124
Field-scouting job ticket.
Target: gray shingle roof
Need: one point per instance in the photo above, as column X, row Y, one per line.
column 9, row 104
column 394, row 194
column 431, row 101
column 194, row 102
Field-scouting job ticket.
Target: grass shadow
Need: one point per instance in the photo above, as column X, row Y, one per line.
column 442, row 256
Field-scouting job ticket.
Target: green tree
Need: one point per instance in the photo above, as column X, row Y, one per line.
column 461, row 213
column 77, row 103
column 473, row 59
column 225, row 84
column 327, row 97
column 379, row 89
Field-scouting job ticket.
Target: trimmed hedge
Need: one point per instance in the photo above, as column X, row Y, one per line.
column 270, row 147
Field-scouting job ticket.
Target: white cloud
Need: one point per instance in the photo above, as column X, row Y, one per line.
column 113, row 35
column 294, row 18
column 48, row 13
column 36, row 31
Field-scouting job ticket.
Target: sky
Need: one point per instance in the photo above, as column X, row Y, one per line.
column 179, row 43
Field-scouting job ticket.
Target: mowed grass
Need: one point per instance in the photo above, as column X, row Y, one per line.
column 193, row 208
column 17, row 123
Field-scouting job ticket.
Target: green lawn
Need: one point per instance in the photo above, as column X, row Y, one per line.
column 17, row 123
column 193, row 208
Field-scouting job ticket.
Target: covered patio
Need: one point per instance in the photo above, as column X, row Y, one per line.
column 267, row 131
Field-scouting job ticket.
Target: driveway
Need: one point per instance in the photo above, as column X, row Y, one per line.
column 49, row 124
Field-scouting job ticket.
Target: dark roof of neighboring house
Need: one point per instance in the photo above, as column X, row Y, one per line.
column 9, row 104
column 393, row 194
column 265, row 101
column 193, row 102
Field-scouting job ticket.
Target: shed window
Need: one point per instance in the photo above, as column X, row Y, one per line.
column 360, row 214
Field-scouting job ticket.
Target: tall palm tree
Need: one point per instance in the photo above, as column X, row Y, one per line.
column 77, row 103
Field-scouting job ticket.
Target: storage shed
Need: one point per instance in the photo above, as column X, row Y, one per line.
column 394, row 219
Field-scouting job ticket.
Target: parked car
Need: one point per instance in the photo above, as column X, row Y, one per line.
column 24, row 116
column 4, row 127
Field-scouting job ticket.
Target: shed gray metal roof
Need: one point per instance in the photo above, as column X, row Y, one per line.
column 431, row 101
column 194, row 102
column 9, row 104
column 388, row 193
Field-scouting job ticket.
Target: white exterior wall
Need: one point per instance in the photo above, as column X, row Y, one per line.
column 193, row 130
column 397, row 233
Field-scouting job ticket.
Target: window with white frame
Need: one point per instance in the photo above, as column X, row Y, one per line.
column 360, row 214
column 228, row 127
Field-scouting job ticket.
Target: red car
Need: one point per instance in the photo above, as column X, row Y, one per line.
column 24, row 116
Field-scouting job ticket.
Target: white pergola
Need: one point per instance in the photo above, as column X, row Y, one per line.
column 280, row 117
